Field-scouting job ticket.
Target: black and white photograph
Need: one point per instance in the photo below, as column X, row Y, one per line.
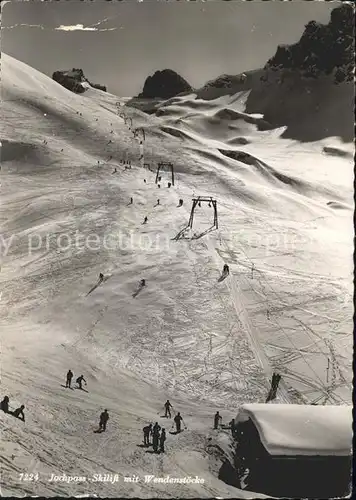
column 176, row 249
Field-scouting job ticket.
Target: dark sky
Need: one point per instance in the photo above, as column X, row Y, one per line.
column 199, row 40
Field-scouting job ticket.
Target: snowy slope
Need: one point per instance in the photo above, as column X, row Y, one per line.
column 283, row 207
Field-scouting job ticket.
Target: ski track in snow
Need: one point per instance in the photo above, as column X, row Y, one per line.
column 204, row 345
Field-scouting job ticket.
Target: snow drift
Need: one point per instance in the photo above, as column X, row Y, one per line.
column 301, row 429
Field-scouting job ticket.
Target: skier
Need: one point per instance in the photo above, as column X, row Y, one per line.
column 131, row 200
column 115, row 170
column 158, row 202
column 156, row 428
column 232, row 427
column 143, row 283
column 146, row 434
column 177, row 420
column 162, row 440
column 217, row 420
column 145, row 220
column 274, row 387
column 5, row 404
column 69, row 378
column 180, row 203
column 226, row 269
column 104, row 417
column 18, row 413
column 167, row 409
column 169, row 184
column 80, row 380
column 101, row 276
column 155, row 437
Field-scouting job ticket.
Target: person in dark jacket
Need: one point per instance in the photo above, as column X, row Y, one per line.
column 5, row 404
column 177, row 420
column 155, row 437
column 162, row 440
column 232, row 427
column 104, row 417
column 80, row 380
column 69, row 378
column 146, row 434
column 217, row 420
column 156, row 427
column 167, row 409
column 18, row 413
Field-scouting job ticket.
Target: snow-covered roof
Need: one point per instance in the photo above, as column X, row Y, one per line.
column 288, row 429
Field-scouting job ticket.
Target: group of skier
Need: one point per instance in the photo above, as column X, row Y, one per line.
column 79, row 380
column 104, row 416
column 157, row 433
column 158, row 437
column 177, row 419
column 18, row 413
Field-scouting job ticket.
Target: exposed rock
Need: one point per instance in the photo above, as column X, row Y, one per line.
column 306, row 87
column 323, row 49
column 75, row 80
column 164, row 84
column 97, row 86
